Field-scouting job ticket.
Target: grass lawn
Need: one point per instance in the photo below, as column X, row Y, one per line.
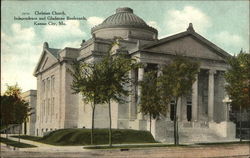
column 225, row 143
column 131, row 146
column 15, row 143
column 82, row 137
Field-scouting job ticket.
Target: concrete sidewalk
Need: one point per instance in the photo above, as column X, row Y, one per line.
column 42, row 147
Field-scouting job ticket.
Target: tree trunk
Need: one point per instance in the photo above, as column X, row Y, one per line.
column 7, row 131
column 110, row 123
column 150, row 122
column 177, row 131
column 175, row 123
column 93, row 123
column 240, row 124
column 19, row 131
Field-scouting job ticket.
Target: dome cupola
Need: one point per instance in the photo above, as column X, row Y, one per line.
column 124, row 23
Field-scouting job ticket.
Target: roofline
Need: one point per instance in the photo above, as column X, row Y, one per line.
column 186, row 33
column 40, row 59
column 148, row 28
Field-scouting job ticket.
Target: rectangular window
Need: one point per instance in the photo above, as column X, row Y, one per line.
column 48, row 85
column 43, row 85
column 53, row 106
column 48, row 107
column 172, row 109
column 189, row 107
column 53, row 83
column 44, row 108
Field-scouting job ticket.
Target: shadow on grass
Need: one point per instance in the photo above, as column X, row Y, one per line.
column 15, row 143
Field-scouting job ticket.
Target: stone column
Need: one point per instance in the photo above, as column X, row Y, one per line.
column 178, row 109
column 195, row 100
column 183, row 115
column 211, row 95
column 132, row 103
column 140, row 78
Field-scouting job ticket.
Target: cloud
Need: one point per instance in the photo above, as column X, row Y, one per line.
column 154, row 24
column 228, row 39
column 74, row 44
column 19, row 56
column 70, row 30
column 19, row 34
column 93, row 21
column 231, row 41
column 178, row 20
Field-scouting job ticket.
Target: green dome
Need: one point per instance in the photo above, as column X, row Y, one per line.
column 124, row 17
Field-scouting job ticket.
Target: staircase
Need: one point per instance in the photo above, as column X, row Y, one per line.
column 193, row 133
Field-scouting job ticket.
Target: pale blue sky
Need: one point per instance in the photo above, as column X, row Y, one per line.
column 225, row 23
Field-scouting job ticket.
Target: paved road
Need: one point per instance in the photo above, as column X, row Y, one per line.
column 228, row 151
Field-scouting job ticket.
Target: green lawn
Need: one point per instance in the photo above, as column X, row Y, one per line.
column 131, row 146
column 15, row 143
column 224, row 143
column 82, row 137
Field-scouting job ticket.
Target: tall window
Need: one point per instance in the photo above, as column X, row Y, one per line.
column 53, row 83
column 136, row 86
column 43, row 86
column 53, row 105
column 172, row 109
column 48, row 107
column 189, row 108
column 48, row 85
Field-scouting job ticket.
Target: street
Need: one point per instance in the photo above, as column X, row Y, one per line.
column 212, row 151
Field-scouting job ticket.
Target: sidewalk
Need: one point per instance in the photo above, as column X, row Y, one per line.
column 43, row 147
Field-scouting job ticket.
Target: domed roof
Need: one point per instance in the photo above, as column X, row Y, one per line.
column 124, row 17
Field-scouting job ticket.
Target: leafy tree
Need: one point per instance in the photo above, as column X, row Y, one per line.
column 176, row 80
column 13, row 91
column 238, row 79
column 115, row 69
column 14, row 110
column 7, row 114
column 86, row 81
column 150, row 99
column 103, row 81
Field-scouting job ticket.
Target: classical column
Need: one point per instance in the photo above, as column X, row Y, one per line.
column 140, row 78
column 159, row 70
column 132, row 104
column 211, row 95
column 183, row 115
column 178, row 109
column 195, row 100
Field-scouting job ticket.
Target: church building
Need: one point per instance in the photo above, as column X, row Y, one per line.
column 202, row 115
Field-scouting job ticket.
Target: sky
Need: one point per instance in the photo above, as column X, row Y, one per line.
column 225, row 23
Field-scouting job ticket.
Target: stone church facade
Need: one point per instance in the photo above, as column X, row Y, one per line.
column 202, row 115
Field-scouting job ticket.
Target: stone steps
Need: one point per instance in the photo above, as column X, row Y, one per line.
column 193, row 135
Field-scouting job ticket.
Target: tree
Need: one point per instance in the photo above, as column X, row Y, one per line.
column 238, row 79
column 14, row 90
column 7, row 114
column 150, row 99
column 115, row 70
column 86, row 81
column 103, row 81
column 14, row 110
column 176, row 81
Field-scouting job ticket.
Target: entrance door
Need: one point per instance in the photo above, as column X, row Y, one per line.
column 189, row 110
column 172, row 104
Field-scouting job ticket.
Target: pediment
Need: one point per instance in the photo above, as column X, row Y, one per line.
column 46, row 61
column 191, row 46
